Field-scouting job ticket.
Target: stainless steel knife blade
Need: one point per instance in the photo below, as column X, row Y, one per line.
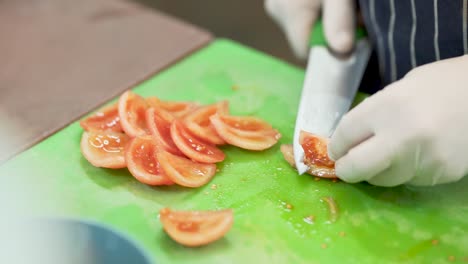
column 329, row 88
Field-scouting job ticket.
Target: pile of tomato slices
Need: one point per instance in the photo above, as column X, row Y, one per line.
column 167, row 142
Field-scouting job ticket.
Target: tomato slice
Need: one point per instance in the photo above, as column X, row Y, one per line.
column 185, row 172
column 323, row 172
column 106, row 118
column 142, row 162
column 316, row 155
column 245, row 132
column 196, row 228
column 159, row 124
column 192, row 147
column 199, row 124
column 288, row 154
column 315, row 150
column 105, row 149
column 178, row 109
column 132, row 112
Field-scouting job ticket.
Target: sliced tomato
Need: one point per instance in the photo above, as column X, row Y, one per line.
column 132, row 112
column 192, row 147
column 196, row 228
column 316, row 155
column 314, row 170
column 198, row 122
column 288, row 154
column 178, row 109
column 142, row 162
column 159, row 124
column 245, row 132
column 185, row 172
column 315, row 150
column 105, row 149
column 105, row 119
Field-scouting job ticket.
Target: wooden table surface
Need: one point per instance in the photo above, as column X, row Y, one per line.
column 61, row 59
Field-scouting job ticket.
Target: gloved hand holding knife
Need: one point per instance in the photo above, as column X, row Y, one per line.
column 297, row 18
column 335, row 64
column 412, row 132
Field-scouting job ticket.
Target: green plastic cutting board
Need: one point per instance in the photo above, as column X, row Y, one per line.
column 375, row 225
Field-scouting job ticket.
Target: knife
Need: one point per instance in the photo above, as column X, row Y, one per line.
column 329, row 88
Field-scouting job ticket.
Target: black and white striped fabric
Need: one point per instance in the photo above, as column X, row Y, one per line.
column 410, row 33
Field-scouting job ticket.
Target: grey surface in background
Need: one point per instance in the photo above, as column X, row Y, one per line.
column 62, row 58
column 244, row 21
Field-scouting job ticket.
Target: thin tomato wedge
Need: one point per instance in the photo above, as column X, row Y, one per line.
column 132, row 112
column 159, row 124
column 196, row 228
column 185, row 172
column 142, row 162
column 198, row 122
column 245, row 132
column 192, row 147
column 288, row 154
column 105, row 119
column 178, row 109
column 314, row 170
column 104, row 149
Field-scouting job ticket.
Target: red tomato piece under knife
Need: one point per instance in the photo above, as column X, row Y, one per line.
column 198, row 122
column 142, row 162
column 106, row 118
column 104, row 149
column 192, row 147
column 185, row 172
column 132, row 112
column 316, row 155
column 245, row 132
column 314, row 170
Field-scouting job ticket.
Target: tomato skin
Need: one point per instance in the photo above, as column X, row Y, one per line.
column 132, row 112
column 159, row 124
column 142, row 161
column 196, row 228
column 246, row 125
column 177, row 109
column 185, row 172
column 245, row 132
column 198, row 122
column 105, row 119
column 104, row 149
column 194, row 148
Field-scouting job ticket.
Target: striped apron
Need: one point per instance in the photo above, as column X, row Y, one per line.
column 410, row 33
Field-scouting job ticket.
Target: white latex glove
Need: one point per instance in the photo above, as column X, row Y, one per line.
column 414, row 132
column 296, row 18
